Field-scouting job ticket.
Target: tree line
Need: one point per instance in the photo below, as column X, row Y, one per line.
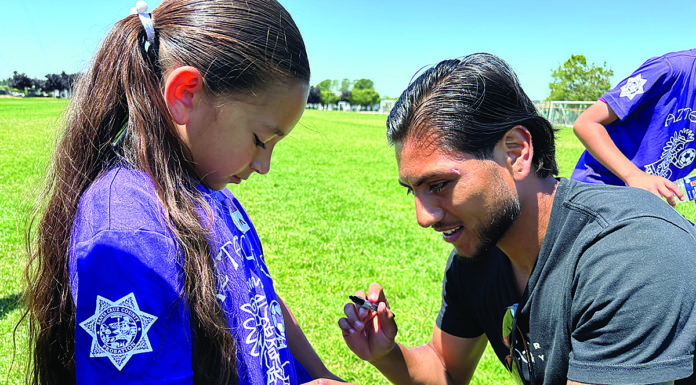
column 52, row 82
column 575, row 79
column 359, row 92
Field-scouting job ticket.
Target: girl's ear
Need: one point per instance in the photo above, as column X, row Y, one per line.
column 180, row 87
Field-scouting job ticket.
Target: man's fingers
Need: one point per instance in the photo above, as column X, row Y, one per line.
column 345, row 326
column 376, row 293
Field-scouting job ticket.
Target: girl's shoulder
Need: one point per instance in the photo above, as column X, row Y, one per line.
column 121, row 199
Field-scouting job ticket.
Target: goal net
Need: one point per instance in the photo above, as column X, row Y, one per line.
column 562, row 112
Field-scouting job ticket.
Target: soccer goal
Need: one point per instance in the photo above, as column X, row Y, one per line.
column 562, row 112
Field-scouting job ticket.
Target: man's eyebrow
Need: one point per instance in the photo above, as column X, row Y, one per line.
column 422, row 179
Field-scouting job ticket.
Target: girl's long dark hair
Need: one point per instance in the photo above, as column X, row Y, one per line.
column 239, row 47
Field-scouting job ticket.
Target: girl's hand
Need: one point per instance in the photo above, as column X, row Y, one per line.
column 662, row 187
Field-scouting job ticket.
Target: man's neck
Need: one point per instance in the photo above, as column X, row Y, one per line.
column 523, row 240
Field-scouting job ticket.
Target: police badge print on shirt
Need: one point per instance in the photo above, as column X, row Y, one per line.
column 634, row 86
column 118, row 329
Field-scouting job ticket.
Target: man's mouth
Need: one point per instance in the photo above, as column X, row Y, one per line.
column 450, row 235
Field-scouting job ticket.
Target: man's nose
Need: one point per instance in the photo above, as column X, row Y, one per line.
column 428, row 212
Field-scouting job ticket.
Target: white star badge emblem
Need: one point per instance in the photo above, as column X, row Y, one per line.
column 118, row 330
column 633, row 87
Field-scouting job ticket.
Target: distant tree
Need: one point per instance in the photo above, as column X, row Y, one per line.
column 345, row 96
column 314, row 96
column 345, row 85
column 324, row 84
column 53, row 83
column 67, row 81
column 328, row 97
column 364, row 97
column 363, row 84
column 19, row 81
column 328, row 85
column 38, row 84
column 576, row 80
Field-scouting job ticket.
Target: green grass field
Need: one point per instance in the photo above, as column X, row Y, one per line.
column 330, row 214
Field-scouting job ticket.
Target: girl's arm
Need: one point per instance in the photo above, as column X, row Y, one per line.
column 590, row 128
column 301, row 348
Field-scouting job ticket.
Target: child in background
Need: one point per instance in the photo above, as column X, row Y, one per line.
column 144, row 268
column 641, row 133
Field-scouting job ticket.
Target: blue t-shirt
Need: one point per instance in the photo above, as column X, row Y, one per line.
column 133, row 322
column 656, row 109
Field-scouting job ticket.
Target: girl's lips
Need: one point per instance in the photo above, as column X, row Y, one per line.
column 235, row 179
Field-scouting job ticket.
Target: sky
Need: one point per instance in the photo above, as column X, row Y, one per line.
column 388, row 41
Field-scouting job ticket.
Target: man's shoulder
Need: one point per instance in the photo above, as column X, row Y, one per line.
column 608, row 205
column 611, row 228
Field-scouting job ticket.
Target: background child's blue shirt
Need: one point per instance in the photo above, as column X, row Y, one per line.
column 656, row 109
column 132, row 322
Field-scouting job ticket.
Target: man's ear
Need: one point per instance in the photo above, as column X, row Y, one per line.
column 180, row 87
column 515, row 152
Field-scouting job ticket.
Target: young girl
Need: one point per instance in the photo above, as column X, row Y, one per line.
column 144, row 268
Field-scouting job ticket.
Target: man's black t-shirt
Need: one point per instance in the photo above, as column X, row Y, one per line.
column 611, row 299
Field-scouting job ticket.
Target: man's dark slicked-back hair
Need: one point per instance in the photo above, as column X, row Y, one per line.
column 467, row 105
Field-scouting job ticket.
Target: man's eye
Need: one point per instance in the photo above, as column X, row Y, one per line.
column 258, row 142
column 436, row 187
column 409, row 191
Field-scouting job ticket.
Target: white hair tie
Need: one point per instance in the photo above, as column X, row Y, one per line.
column 146, row 19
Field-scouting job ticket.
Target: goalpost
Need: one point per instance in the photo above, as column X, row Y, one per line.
column 562, row 112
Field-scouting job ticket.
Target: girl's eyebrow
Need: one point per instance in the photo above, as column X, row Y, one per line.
column 275, row 130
